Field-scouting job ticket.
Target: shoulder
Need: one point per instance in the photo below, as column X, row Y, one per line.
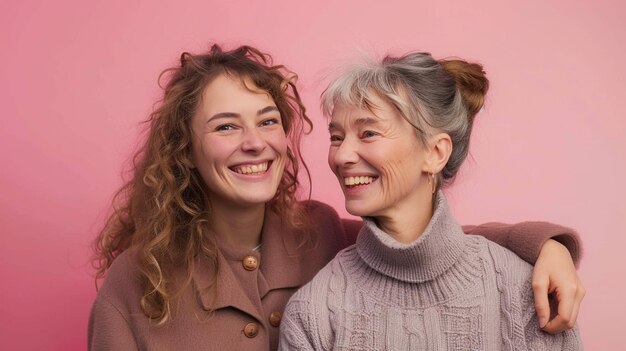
column 319, row 285
column 318, row 209
column 308, row 317
column 326, row 223
column 111, row 325
column 519, row 320
column 512, row 270
column 123, row 270
column 122, row 283
column 512, row 280
column 325, row 215
column 327, row 281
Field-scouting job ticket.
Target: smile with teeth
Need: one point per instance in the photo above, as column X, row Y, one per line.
column 355, row 181
column 251, row 169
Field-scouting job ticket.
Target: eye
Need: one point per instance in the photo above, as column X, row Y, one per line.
column 270, row 122
column 368, row 134
column 225, row 127
column 335, row 139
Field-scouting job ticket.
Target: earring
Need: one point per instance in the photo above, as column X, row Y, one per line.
column 433, row 182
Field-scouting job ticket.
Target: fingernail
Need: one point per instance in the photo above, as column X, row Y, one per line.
column 542, row 322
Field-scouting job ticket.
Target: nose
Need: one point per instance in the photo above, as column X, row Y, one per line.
column 253, row 141
column 343, row 154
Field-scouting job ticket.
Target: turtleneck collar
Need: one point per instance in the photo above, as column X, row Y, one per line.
column 430, row 255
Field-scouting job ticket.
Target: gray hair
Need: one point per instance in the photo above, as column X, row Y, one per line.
column 433, row 96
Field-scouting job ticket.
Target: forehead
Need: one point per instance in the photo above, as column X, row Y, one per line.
column 228, row 91
column 372, row 111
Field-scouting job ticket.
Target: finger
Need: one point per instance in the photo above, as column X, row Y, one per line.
column 566, row 301
column 542, row 305
column 556, row 325
column 579, row 298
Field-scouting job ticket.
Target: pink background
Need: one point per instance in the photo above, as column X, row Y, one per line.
column 77, row 77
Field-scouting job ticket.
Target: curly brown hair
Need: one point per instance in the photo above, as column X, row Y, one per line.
column 162, row 214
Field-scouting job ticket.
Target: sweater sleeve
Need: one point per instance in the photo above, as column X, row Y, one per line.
column 525, row 239
column 108, row 328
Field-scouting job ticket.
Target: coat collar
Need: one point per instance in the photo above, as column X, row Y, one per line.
column 279, row 267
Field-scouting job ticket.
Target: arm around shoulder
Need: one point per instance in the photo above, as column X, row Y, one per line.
column 526, row 239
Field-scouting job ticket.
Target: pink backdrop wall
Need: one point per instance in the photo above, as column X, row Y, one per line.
column 77, row 77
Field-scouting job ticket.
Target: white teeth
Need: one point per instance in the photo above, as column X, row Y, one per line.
column 357, row 180
column 252, row 169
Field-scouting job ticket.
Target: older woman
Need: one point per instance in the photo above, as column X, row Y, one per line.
column 399, row 131
column 207, row 241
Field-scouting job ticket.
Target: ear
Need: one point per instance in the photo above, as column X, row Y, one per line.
column 438, row 153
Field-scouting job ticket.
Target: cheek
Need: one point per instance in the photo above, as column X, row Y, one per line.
column 400, row 176
column 397, row 175
column 331, row 159
column 211, row 150
column 278, row 141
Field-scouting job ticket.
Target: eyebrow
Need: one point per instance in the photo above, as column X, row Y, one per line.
column 366, row 121
column 359, row 122
column 266, row 110
column 221, row 115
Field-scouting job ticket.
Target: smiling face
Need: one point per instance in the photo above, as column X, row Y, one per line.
column 378, row 160
column 239, row 145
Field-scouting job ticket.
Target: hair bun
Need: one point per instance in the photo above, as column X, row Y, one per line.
column 471, row 81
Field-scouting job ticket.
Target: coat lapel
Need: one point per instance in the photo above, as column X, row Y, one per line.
column 228, row 292
column 280, row 267
column 282, row 259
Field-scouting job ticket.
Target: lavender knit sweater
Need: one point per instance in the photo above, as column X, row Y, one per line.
column 444, row 291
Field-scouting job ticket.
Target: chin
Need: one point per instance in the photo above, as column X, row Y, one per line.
column 361, row 210
column 260, row 199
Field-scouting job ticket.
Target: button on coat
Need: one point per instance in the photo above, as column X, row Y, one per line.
column 250, row 263
column 275, row 318
column 251, row 330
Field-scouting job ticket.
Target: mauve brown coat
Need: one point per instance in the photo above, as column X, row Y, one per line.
column 249, row 302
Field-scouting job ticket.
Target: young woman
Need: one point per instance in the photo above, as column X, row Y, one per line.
column 399, row 131
column 207, row 241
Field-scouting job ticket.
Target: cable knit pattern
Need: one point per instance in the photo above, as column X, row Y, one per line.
column 444, row 291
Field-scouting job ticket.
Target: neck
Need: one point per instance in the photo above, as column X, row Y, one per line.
column 407, row 221
column 237, row 226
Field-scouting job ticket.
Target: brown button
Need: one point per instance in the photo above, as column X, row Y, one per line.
column 251, row 330
column 250, row 263
column 275, row 318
